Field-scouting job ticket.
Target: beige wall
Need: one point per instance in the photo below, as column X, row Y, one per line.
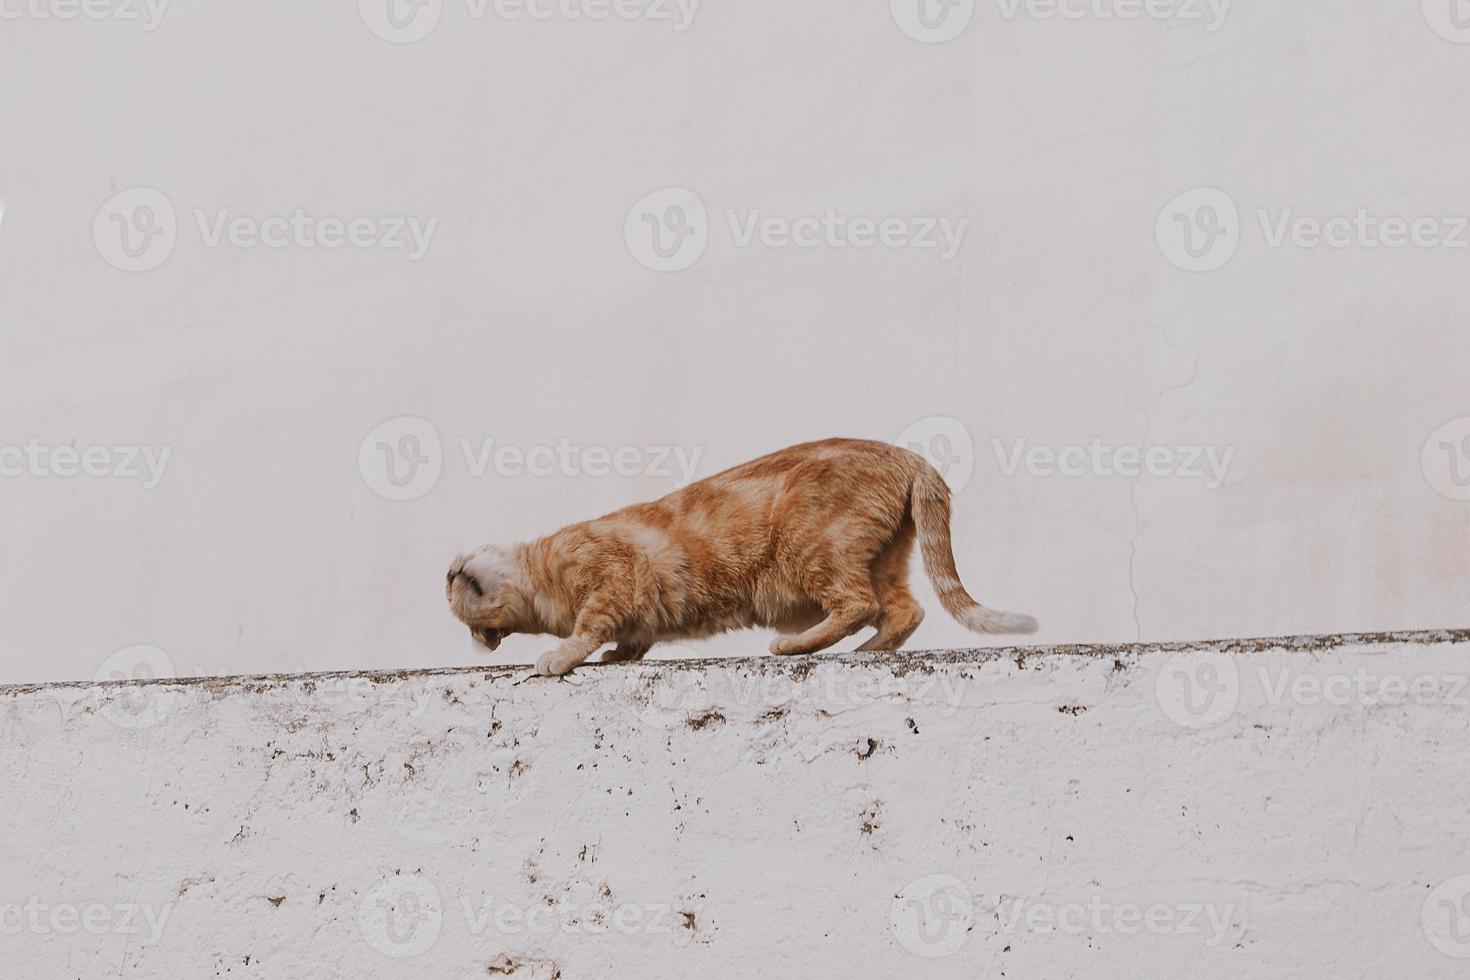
column 525, row 152
column 1115, row 813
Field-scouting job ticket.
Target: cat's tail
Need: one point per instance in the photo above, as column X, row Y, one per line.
column 929, row 504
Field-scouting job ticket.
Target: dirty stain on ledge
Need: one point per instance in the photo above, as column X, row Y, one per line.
column 899, row 662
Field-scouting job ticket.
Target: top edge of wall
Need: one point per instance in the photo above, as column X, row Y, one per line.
column 904, row 660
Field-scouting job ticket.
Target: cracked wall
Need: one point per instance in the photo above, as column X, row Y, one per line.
column 1266, row 808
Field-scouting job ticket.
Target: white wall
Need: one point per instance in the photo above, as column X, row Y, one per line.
column 1061, row 319
column 1277, row 811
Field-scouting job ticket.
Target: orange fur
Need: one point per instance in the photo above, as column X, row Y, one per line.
column 813, row 541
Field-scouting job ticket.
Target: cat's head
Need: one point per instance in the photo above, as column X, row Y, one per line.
column 484, row 592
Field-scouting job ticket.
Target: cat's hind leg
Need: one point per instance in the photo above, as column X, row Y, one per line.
column 626, row 652
column 850, row 604
column 900, row 614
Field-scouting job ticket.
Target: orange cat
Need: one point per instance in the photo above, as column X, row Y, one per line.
column 813, row 541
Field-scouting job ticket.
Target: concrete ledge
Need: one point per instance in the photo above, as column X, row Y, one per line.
column 902, row 659
column 1289, row 807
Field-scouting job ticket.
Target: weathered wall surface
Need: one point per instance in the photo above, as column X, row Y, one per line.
column 1282, row 808
column 1278, row 445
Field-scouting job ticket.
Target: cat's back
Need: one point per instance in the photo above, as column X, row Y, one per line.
column 829, row 466
column 838, row 457
column 753, row 497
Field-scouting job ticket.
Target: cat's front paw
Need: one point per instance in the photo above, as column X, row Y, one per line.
column 785, row 645
column 555, row 663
